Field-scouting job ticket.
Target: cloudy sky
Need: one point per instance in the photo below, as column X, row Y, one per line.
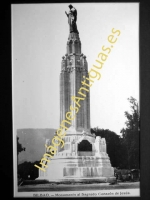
column 39, row 37
column 33, row 140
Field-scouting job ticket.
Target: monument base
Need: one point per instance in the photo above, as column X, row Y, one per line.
column 82, row 180
column 82, row 159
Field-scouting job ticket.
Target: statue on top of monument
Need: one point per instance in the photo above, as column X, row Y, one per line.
column 72, row 18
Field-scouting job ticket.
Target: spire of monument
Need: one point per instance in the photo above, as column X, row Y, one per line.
column 74, row 67
column 73, row 44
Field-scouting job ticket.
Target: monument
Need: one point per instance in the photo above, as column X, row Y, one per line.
column 83, row 157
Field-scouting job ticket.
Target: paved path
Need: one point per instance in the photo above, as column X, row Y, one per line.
column 77, row 187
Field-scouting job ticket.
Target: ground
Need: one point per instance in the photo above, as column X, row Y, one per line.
column 78, row 187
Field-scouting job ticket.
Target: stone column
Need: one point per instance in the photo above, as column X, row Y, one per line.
column 74, row 67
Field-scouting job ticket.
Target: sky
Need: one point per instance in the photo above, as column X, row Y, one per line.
column 39, row 38
column 33, row 140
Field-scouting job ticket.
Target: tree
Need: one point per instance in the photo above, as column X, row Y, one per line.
column 19, row 149
column 27, row 170
column 130, row 134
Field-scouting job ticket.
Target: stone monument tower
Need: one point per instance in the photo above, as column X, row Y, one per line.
column 84, row 156
column 73, row 68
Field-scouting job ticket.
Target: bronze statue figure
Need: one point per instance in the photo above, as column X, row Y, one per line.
column 72, row 18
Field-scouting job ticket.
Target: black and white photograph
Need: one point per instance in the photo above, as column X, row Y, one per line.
column 75, row 98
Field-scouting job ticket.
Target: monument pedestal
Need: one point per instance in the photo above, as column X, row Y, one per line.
column 72, row 165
